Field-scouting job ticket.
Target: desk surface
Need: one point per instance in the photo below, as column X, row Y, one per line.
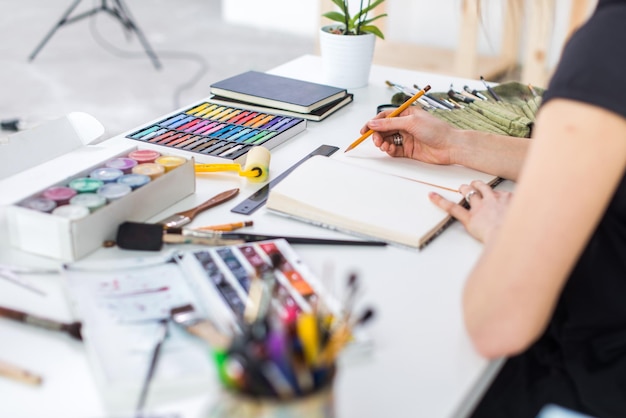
column 421, row 364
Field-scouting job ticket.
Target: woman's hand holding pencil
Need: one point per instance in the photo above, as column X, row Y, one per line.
column 394, row 113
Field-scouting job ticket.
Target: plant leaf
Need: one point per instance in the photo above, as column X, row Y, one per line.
column 372, row 29
column 368, row 21
column 336, row 16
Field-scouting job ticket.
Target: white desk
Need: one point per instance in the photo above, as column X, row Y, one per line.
column 422, row 364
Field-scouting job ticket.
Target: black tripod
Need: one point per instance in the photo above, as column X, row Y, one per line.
column 117, row 10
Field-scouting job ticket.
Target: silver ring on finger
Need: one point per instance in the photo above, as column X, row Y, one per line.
column 397, row 139
column 469, row 195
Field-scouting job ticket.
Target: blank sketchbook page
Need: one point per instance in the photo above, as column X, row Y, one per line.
column 448, row 176
column 353, row 199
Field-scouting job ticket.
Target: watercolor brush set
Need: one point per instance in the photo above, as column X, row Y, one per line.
column 214, row 133
column 282, row 349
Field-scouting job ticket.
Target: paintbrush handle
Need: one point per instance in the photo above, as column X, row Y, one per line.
column 73, row 329
column 12, row 314
column 18, row 374
column 215, row 200
column 31, row 319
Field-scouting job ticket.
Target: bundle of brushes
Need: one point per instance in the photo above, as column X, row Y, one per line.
column 281, row 350
column 506, row 109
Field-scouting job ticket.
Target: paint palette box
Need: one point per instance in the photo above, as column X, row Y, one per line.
column 66, row 239
column 213, row 133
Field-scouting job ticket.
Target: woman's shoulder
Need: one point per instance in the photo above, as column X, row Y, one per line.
column 593, row 64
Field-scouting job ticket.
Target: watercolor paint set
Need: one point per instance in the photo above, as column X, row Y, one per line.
column 76, row 202
column 126, row 299
column 215, row 133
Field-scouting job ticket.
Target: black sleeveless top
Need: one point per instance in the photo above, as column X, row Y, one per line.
column 580, row 361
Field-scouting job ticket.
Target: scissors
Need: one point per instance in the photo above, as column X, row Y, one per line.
column 12, row 274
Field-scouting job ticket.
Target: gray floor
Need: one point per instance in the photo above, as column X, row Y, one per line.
column 95, row 66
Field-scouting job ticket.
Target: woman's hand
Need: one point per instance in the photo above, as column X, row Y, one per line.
column 487, row 209
column 424, row 137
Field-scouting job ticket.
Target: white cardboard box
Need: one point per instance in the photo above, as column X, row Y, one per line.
column 60, row 238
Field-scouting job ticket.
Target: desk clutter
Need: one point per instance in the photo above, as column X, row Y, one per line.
column 506, row 109
column 273, row 329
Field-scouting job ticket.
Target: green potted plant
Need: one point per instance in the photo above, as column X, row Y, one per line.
column 346, row 60
column 358, row 24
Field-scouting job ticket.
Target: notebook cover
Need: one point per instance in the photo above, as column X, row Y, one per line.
column 277, row 91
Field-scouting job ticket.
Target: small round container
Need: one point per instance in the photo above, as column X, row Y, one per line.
column 72, row 212
column 114, row 191
column 91, row 201
column 60, row 194
column 151, row 170
column 134, row 180
column 40, row 204
column 86, row 185
column 122, row 163
column 170, row 162
column 106, row 174
column 143, row 156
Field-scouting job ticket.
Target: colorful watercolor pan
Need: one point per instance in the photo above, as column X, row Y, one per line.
column 212, row 133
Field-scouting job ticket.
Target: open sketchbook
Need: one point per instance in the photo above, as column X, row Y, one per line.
column 370, row 194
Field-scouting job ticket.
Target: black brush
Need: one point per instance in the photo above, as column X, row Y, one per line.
column 151, row 237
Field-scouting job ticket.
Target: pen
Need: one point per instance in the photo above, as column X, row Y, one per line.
column 18, row 374
column 490, row 90
column 393, row 114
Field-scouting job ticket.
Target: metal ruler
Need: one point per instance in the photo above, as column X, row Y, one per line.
column 258, row 198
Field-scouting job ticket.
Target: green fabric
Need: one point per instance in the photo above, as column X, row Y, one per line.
column 514, row 115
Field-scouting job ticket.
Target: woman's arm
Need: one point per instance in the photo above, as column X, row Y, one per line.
column 431, row 140
column 573, row 167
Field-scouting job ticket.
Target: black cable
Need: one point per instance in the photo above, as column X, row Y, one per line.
column 189, row 56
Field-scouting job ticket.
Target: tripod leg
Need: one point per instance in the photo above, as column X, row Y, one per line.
column 54, row 29
column 124, row 16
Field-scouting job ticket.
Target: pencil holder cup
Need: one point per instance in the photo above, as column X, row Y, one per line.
column 258, row 383
column 319, row 404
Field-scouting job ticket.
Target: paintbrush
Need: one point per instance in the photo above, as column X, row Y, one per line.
column 151, row 237
column 73, row 329
column 154, row 360
column 183, row 218
column 203, row 328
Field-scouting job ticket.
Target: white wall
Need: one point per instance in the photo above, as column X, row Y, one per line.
column 427, row 22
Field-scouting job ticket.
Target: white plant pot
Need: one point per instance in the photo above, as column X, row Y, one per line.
column 346, row 59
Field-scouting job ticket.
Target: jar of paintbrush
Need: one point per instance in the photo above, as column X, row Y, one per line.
column 282, row 360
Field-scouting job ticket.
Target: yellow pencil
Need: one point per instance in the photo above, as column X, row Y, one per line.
column 395, row 113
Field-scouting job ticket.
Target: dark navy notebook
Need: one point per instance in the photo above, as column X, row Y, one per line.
column 277, row 91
